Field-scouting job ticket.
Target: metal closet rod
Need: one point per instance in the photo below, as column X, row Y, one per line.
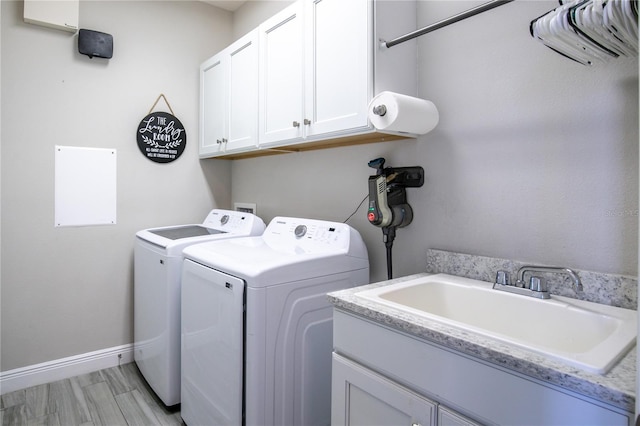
column 452, row 20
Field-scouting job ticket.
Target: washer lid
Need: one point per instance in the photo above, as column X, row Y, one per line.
column 219, row 224
column 185, row 232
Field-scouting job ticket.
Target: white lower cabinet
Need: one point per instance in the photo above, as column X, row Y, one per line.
column 361, row 397
column 447, row 417
column 382, row 376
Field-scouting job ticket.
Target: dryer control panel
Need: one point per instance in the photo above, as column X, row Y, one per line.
column 308, row 235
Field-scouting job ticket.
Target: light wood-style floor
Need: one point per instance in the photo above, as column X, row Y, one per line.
column 116, row 396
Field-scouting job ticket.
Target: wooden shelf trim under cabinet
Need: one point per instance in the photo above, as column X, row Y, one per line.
column 314, row 145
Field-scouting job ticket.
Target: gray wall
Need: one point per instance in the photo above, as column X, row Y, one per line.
column 535, row 157
column 67, row 291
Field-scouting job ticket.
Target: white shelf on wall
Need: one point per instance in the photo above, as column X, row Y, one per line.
column 57, row 14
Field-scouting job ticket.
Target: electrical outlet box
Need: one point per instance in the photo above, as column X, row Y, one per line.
column 246, row 208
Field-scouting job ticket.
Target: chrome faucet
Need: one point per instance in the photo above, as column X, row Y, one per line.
column 577, row 285
column 536, row 287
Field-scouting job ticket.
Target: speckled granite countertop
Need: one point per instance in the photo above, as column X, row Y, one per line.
column 617, row 387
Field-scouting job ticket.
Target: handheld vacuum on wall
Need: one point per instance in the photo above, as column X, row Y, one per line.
column 388, row 206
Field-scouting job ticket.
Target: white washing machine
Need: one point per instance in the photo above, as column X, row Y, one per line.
column 157, row 276
column 257, row 326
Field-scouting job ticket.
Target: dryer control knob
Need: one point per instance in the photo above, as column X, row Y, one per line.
column 300, row 231
column 224, row 219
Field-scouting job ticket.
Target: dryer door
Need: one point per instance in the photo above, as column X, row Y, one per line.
column 212, row 346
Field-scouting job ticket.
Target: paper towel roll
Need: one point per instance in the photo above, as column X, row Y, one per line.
column 404, row 114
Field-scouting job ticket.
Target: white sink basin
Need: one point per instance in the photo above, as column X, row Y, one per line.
column 583, row 334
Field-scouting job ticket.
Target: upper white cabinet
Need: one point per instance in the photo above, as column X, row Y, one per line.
column 229, row 99
column 212, row 105
column 320, row 64
column 58, row 14
column 281, row 111
column 315, row 72
column 339, row 65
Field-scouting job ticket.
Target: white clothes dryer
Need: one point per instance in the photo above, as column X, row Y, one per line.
column 157, row 277
column 257, row 325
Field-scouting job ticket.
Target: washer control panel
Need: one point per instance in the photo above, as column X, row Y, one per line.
column 232, row 221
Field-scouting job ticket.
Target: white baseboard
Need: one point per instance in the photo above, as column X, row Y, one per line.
column 64, row 368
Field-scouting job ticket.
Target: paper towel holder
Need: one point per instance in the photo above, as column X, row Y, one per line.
column 402, row 115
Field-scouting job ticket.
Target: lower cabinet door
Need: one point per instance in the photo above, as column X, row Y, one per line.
column 362, row 397
column 447, row 417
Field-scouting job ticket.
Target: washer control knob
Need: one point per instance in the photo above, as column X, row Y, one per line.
column 224, row 219
column 300, row 231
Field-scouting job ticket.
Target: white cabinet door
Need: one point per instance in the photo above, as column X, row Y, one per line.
column 213, row 115
column 281, row 77
column 229, row 99
column 316, row 70
column 448, row 417
column 243, row 94
column 339, row 64
column 360, row 397
column 58, row 14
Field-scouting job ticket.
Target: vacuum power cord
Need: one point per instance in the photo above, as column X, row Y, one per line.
column 357, row 208
column 388, row 235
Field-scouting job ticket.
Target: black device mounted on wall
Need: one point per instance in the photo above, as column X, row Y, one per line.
column 388, row 206
column 94, row 43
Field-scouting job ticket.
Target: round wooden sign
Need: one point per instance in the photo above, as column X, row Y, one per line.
column 161, row 137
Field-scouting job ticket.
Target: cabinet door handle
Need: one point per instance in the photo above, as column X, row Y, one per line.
column 218, row 141
column 307, row 121
column 296, row 124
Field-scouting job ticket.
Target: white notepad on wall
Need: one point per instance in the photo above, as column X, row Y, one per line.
column 85, row 186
